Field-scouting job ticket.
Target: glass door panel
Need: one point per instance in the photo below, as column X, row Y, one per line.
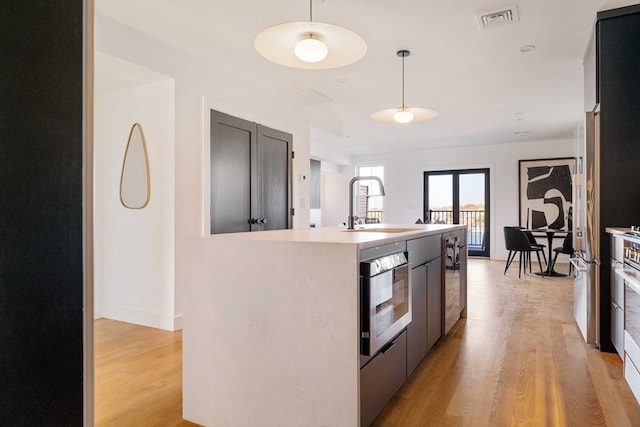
column 460, row 197
column 472, row 208
column 440, row 196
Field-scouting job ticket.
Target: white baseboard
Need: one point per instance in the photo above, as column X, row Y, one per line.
column 153, row 320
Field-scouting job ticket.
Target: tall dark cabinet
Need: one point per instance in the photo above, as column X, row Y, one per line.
column 42, row 136
column 612, row 79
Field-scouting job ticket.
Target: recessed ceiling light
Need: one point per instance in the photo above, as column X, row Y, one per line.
column 522, row 133
column 527, row 48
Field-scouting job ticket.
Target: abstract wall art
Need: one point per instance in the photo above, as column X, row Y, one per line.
column 546, row 192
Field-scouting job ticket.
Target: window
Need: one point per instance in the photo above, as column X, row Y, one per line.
column 370, row 204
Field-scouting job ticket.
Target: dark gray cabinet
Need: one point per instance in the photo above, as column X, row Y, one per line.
column 250, row 176
column 425, row 260
column 381, row 378
column 434, row 302
column 417, row 329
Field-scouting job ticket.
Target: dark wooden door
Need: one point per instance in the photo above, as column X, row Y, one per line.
column 274, row 177
column 233, row 189
column 250, row 176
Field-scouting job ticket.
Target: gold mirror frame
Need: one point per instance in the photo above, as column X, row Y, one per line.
column 135, row 178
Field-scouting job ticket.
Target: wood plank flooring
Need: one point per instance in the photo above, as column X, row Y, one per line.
column 517, row 360
column 138, row 376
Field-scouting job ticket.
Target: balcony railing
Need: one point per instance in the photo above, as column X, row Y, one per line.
column 375, row 215
column 474, row 220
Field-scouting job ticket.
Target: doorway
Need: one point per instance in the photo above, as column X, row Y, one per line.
column 460, row 197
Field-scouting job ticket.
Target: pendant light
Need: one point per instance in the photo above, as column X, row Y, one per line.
column 403, row 114
column 310, row 45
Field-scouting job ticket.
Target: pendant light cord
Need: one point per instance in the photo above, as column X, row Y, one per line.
column 310, row 10
column 403, row 83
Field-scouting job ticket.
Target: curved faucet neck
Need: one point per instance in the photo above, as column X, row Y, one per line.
column 350, row 218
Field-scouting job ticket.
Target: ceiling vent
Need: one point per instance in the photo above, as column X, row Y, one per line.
column 305, row 96
column 497, row 17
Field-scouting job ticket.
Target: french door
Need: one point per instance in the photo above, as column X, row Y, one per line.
column 460, row 197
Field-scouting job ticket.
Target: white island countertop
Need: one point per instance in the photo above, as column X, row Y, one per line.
column 271, row 324
column 365, row 236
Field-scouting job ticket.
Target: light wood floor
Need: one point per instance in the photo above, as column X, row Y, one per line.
column 517, row 360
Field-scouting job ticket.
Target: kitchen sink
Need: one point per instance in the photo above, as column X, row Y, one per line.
column 382, row 230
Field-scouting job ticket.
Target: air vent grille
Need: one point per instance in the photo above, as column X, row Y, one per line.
column 497, row 17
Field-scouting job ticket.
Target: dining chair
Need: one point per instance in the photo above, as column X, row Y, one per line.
column 516, row 241
column 535, row 244
column 566, row 248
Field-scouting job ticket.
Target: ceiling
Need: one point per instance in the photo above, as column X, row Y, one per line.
column 484, row 88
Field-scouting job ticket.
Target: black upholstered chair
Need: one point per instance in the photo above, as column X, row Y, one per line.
column 566, row 248
column 516, row 241
column 536, row 245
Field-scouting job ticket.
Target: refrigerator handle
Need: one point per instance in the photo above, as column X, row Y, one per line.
column 579, row 264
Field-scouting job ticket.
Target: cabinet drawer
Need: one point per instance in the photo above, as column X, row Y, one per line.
column 632, row 376
column 617, row 248
column 424, row 249
column 381, row 378
column 617, row 289
column 380, row 251
column 617, row 327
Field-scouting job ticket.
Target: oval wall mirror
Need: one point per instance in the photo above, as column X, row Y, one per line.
column 135, row 182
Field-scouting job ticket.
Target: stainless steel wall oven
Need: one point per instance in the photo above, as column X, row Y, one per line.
column 385, row 301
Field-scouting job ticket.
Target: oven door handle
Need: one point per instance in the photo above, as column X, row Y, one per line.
column 387, row 346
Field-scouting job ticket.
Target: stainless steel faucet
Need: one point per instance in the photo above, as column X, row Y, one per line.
column 351, row 218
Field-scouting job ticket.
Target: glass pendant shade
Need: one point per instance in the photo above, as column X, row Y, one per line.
column 403, row 116
column 311, row 49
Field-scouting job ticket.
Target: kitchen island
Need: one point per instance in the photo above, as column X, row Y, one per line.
column 271, row 324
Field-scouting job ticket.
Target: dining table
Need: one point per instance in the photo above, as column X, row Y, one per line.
column 550, row 232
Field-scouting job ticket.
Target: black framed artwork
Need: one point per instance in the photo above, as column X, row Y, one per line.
column 546, row 193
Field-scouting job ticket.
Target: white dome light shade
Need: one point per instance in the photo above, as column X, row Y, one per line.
column 403, row 116
column 311, row 49
column 278, row 44
column 389, row 115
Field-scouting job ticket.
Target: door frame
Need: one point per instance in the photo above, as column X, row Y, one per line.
column 486, row 170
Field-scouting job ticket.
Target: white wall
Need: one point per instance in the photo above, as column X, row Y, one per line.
column 198, row 86
column 135, row 247
column 334, row 194
column 404, row 181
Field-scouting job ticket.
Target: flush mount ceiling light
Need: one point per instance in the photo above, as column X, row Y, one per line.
column 310, row 45
column 403, row 114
